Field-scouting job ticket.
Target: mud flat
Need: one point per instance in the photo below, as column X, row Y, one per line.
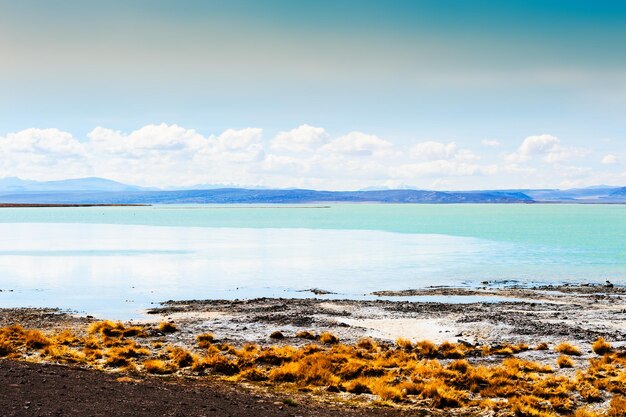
column 546, row 313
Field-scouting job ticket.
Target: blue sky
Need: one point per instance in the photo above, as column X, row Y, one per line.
column 323, row 94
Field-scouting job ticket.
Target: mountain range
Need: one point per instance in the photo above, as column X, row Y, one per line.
column 103, row 191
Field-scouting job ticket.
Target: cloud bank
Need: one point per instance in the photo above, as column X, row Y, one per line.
column 163, row 155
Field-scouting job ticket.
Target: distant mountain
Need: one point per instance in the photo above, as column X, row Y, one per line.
column 213, row 187
column 17, row 185
column 581, row 195
column 103, row 191
column 245, row 196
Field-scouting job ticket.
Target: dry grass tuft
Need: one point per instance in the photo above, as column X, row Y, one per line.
column 568, row 349
column 64, row 354
column 134, row 331
column 6, row 349
column 426, row 349
column 66, row 337
column 205, row 340
column 253, row 374
column 328, row 338
column 34, row 339
column 182, row 358
column 358, row 386
column 405, row 344
column 107, row 328
column 565, row 361
column 222, row 365
column 156, row 366
column 442, row 395
column 367, row 344
column 601, row 346
column 449, row 350
column 588, row 392
column 617, row 407
column 386, row 391
column 459, row 365
column 306, row 335
column 585, row 412
column 165, row 327
column 530, row 406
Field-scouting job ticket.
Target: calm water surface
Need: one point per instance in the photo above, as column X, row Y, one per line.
column 116, row 261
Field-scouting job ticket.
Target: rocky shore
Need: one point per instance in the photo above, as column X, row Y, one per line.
column 536, row 336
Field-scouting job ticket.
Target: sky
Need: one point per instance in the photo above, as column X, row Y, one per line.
column 342, row 94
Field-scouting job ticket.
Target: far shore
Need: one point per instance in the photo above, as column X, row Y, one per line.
column 30, row 205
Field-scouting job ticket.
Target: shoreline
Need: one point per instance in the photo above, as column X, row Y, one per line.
column 493, row 312
column 486, row 334
column 514, row 314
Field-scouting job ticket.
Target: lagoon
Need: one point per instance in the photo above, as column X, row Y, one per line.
column 117, row 261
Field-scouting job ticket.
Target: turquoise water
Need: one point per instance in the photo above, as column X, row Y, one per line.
column 116, row 261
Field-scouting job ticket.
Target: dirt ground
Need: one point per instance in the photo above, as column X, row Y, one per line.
column 32, row 389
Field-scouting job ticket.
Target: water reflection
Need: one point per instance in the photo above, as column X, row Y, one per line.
column 116, row 270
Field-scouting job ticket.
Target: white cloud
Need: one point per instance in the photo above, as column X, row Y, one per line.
column 491, row 143
column 283, row 164
column 442, row 168
column 610, row 160
column 304, row 138
column 359, row 144
column 42, row 141
column 237, row 146
column 171, row 155
column 430, row 151
column 150, row 138
column 547, row 147
column 433, row 151
column 539, row 145
column 42, row 154
column 234, row 140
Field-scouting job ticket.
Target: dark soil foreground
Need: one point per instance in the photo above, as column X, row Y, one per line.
column 31, row 389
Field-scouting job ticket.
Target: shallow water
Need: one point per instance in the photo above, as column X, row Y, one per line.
column 115, row 261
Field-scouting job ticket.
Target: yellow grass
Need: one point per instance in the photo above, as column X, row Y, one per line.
column 6, row 349
column 568, row 349
column 306, row 335
column 328, row 338
column 585, row 412
column 617, row 407
column 204, row 340
column 601, row 346
column 565, row 361
column 157, row 366
column 34, row 339
column 367, row 344
column 181, row 357
column 405, row 344
column 166, row 327
column 447, row 375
